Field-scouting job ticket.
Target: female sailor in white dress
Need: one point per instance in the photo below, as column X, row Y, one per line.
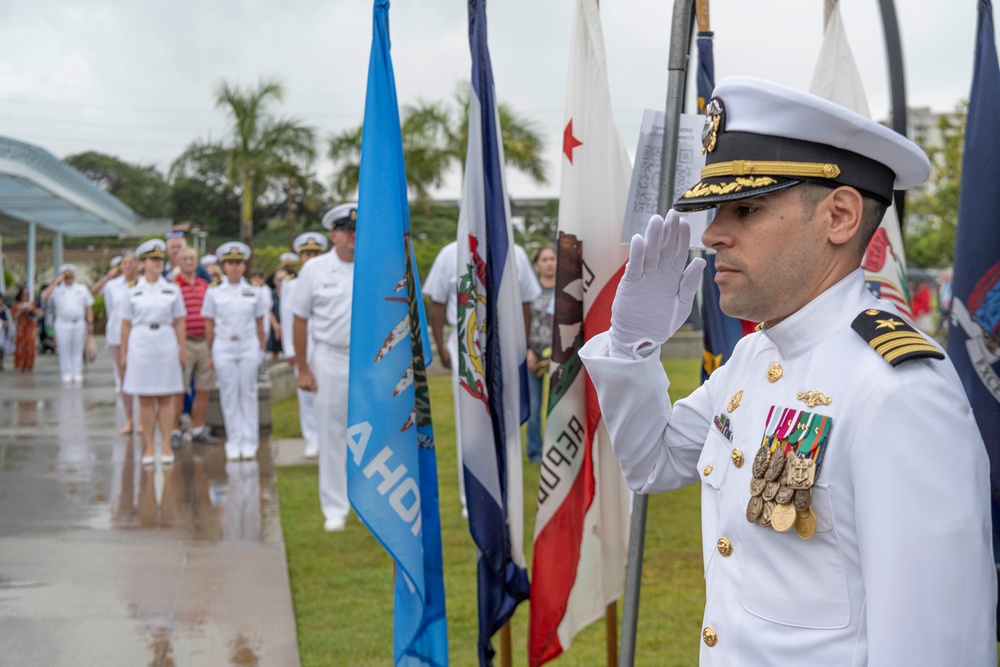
column 152, row 347
column 234, row 314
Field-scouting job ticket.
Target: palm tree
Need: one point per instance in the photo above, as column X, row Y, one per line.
column 435, row 136
column 259, row 148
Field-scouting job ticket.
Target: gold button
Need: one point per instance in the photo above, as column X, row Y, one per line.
column 707, row 471
column 708, row 634
column 725, row 547
column 737, row 458
column 774, row 373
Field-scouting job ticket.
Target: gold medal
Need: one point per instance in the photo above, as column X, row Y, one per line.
column 774, row 467
column 803, row 499
column 765, row 515
column 783, row 518
column 760, row 462
column 771, row 490
column 784, row 495
column 757, row 486
column 754, row 508
column 802, row 473
column 805, row 524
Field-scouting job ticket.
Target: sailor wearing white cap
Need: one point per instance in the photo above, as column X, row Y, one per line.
column 153, row 347
column 308, row 245
column 321, row 305
column 211, row 264
column 845, row 485
column 74, row 320
column 114, row 285
column 234, row 314
column 288, row 260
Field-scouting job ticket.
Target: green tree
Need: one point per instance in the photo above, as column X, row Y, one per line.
column 259, row 146
column 435, row 138
column 141, row 188
column 932, row 211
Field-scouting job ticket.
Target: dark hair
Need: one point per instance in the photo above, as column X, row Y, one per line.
column 21, row 293
column 538, row 253
column 256, row 273
column 872, row 210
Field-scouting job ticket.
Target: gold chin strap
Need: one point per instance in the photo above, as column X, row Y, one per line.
column 751, row 167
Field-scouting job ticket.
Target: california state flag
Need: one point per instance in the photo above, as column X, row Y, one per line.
column 836, row 78
column 581, row 529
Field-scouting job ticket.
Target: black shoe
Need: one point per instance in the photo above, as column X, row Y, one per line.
column 204, row 438
column 175, row 440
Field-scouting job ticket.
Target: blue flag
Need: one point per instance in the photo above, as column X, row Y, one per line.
column 974, row 334
column 391, row 464
column 491, row 360
column 721, row 332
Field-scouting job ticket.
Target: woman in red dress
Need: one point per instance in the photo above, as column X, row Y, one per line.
column 25, row 313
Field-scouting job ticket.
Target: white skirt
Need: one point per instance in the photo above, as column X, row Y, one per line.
column 153, row 367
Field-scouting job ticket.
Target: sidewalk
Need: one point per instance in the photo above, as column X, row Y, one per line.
column 103, row 562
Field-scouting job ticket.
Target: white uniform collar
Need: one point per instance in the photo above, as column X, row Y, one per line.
column 822, row 317
column 240, row 285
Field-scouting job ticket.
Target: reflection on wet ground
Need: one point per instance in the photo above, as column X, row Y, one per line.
column 166, row 562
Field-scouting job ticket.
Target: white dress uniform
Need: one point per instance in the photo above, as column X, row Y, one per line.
column 234, row 309
column 900, row 569
column 152, row 364
column 71, row 303
column 442, row 287
column 114, row 292
column 323, row 295
column 307, row 399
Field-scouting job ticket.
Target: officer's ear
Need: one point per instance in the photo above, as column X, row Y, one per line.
column 842, row 211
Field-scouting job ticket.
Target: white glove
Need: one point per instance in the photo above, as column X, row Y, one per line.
column 655, row 293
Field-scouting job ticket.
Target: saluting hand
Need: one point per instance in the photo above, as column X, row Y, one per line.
column 656, row 291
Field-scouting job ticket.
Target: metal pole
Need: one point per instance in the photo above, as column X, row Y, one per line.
column 680, row 49
column 31, row 261
column 57, row 251
column 897, row 82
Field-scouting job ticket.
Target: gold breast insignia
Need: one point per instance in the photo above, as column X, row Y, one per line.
column 734, row 402
column 813, row 398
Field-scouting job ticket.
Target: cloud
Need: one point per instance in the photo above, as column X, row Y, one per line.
column 66, row 80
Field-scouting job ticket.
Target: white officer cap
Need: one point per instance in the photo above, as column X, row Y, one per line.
column 151, row 249
column 288, row 258
column 762, row 137
column 344, row 217
column 233, row 251
column 68, row 268
column 115, row 261
column 209, row 260
column 310, row 241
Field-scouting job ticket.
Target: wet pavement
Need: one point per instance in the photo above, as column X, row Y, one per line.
column 105, row 562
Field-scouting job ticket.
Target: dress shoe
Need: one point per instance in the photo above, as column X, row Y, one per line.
column 148, row 460
column 232, row 456
column 167, row 459
column 335, row 524
column 203, row 437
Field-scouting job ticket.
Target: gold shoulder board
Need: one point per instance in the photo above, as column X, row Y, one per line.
column 893, row 338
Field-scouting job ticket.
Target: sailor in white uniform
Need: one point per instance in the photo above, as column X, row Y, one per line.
column 114, row 285
column 308, row 245
column 234, row 314
column 74, row 320
column 845, row 485
column 321, row 305
column 153, row 347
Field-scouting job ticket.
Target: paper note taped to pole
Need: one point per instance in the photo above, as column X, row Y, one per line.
column 643, row 191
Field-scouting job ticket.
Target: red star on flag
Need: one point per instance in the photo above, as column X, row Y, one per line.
column 569, row 141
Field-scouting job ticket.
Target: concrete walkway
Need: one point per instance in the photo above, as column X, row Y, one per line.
column 104, row 562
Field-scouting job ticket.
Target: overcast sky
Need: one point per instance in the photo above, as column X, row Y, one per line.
column 134, row 78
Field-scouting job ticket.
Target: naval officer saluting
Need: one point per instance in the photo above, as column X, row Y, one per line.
column 74, row 320
column 153, row 351
column 308, row 245
column 234, row 314
column 845, row 485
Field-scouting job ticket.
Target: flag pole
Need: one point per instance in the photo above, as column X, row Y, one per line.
column 505, row 647
column 611, row 633
column 680, row 48
column 897, row 83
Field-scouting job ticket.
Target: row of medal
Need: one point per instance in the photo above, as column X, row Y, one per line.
column 785, row 469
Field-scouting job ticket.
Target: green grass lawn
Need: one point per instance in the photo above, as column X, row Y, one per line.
column 342, row 582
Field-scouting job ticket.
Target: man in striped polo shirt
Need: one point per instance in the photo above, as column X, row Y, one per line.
column 199, row 358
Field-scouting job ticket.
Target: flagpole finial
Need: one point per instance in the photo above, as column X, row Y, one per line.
column 702, row 13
